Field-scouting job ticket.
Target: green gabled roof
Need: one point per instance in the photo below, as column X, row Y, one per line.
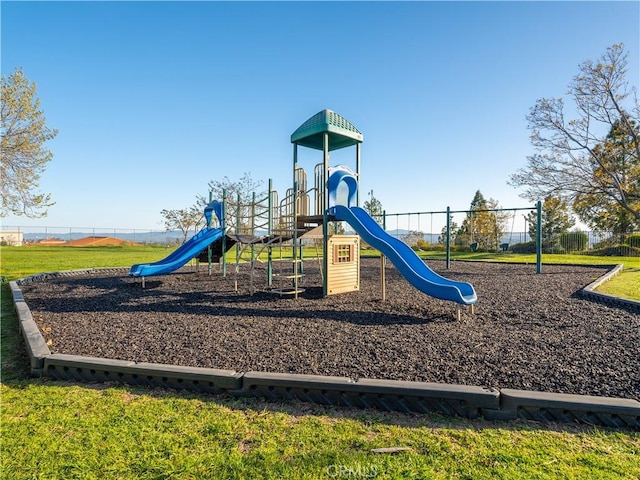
column 342, row 133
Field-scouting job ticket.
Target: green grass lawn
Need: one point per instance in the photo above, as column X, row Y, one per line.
column 625, row 285
column 19, row 262
column 65, row 430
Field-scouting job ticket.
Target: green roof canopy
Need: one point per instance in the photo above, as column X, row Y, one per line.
column 342, row 133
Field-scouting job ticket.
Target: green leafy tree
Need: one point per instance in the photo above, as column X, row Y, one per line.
column 484, row 224
column 556, row 220
column 481, row 226
column 183, row 220
column 600, row 211
column 498, row 224
column 23, row 154
column 453, row 227
column 478, row 202
column 373, row 207
column 591, row 161
column 467, row 233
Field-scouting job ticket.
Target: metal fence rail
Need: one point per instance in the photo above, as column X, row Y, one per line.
column 586, row 242
column 19, row 235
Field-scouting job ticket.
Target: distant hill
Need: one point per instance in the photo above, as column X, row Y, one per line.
column 92, row 241
column 51, row 237
column 99, row 241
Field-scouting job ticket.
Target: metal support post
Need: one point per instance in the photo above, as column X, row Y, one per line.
column 539, row 238
column 224, row 232
column 448, row 240
column 209, row 249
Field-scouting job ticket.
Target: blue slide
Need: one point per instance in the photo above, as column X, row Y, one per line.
column 180, row 256
column 408, row 263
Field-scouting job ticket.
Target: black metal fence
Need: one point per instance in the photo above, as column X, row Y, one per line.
column 577, row 243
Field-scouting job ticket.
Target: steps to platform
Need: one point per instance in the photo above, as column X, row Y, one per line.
column 287, row 291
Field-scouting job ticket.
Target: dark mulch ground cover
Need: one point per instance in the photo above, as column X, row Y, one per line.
column 529, row 331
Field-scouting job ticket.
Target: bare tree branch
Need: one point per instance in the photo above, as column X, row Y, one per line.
column 591, row 161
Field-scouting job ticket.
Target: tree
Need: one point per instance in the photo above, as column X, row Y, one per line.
column 23, row 154
column 454, row 230
column 478, row 202
column 484, row 224
column 239, row 196
column 336, row 228
column 245, row 187
column 373, row 207
column 599, row 211
column 414, row 238
column 591, row 161
column 468, row 231
column 555, row 220
column 183, row 220
column 498, row 224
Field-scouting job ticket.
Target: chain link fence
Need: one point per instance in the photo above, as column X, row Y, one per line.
column 19, row 235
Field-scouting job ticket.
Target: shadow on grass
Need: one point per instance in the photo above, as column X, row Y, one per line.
column 298, row 409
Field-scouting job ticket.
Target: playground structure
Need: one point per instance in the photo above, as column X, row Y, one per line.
column 188, row 250
column 245, row 229
column 308, row 212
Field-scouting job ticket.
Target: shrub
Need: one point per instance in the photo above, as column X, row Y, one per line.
column 553, row 247
column 526, row 247
column 574, row 241
column 412, row 238
column 633, row 240
column 424, row 245
column 620, row 250
column 610, row 241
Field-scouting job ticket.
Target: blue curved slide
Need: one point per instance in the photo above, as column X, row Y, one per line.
column 408, row 263
column 180, row 256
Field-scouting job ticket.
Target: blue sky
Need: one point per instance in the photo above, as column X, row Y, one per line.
column 153, row 100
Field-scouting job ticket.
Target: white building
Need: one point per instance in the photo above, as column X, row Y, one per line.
column 13, row 238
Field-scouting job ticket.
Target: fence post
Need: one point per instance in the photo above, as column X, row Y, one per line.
column 448, row 240
column 209, row 248
column 539, row 238
column 224, row 232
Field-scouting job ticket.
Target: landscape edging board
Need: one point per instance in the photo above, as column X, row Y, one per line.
column 390, row 395
column 93, row 369
column 36, row 346
column 544, row 406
